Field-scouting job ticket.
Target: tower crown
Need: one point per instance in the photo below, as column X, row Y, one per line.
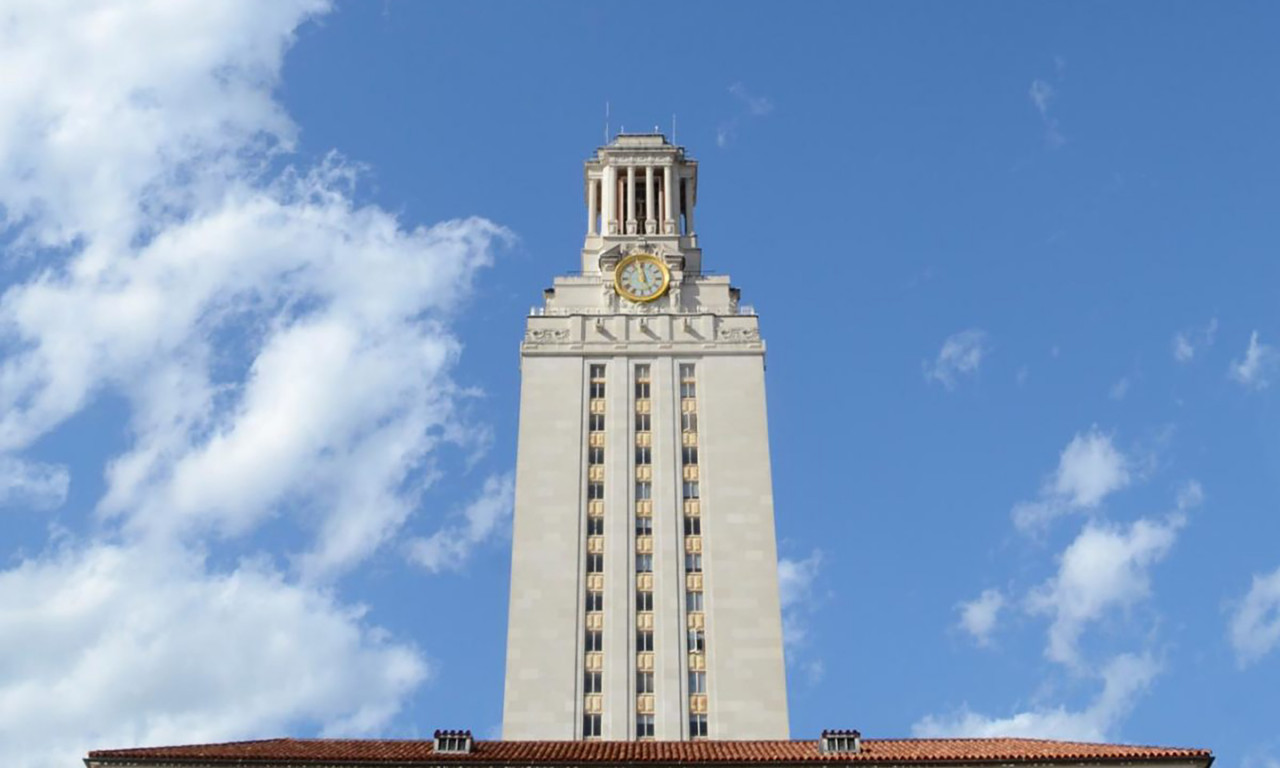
column 641, row 190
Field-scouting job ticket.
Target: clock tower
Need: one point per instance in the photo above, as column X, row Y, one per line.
column 644, row 589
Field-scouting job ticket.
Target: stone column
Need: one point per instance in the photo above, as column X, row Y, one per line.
column 669, row 190
column 688, row 206
column 591, row 205
column 650, row 215
column 608, row 188
column 630, row 193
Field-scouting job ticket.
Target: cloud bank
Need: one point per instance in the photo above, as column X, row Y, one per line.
column 284, row 354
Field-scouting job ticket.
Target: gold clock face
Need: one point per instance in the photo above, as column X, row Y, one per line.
column 641, row 277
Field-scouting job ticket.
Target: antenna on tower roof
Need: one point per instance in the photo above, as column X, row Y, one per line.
column 606, row 122
column 673, row 129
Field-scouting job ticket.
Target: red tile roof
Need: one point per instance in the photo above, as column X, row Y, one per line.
column 557, row 753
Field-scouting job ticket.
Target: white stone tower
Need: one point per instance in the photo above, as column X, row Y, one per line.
column 644, row 588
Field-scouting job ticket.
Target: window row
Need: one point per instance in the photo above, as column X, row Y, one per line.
column 644, row 562
column 697, row 640
column 593, row 682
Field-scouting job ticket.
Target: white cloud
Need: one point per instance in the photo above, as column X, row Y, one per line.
column 285, row 353
column 795, row 593
column 756, row 105
column 753, row 106
column 1119, row 389
column 1187, row 344
column 449, row 548
column 1089, row 469
column 1124, row 679
column 189, row 259
column 109, row 646
column 961, row 355
column 1255, row 624
column 1106, row 567
column 1042, row 95
column 978, row 617
column 1258, row 366
column 32, row 485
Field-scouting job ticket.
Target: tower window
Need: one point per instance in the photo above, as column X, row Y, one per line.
column 595, row 601
column 596, row 490
column 644, row 642
column 645, row 455
column 644, row 491
column 642, row 422
column 693, row 563
column 591, row 726
column 595, row 641
column 595, row 563
column 697, row 641
column 644, row 526
column 597, row 389
column 691, row 490
column 689, row 454
column 595, row 527
column 697, row 726
column 596, row 455
column 597, row 422
column 642, row 390
column 688, row 389
column 692, row 602
column 697, row 682
column 644, row 563
column 644, row 601
column 644, row 726
column 688, row 422
column 593, row 682
column 644, row 682
column 597, row 372
column 693, row 526
column 686, row 371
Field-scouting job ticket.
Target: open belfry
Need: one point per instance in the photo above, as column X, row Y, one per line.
column 645, row 628
column 644, row 590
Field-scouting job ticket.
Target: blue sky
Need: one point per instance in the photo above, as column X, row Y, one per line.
column 266, row 265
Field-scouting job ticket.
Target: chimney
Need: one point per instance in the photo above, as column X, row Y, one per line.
column 453, row 742
column 841, row 741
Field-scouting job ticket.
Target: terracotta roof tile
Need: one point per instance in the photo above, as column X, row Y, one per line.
column 554, row 753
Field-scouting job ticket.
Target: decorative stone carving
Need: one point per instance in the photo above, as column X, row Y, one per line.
column 738, row 334
column 542, row 335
